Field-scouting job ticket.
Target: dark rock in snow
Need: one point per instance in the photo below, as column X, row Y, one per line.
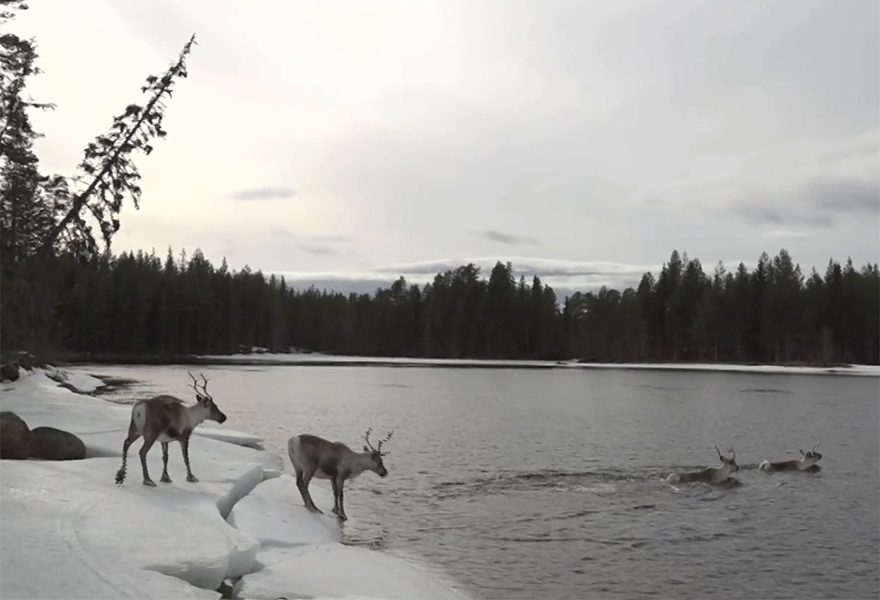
column 15, row 437
column 49, row 443
column 9, row 372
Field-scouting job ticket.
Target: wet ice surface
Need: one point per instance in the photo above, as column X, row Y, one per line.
column 69, row 531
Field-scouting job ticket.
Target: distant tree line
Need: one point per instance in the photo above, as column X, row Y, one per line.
column 138, row 303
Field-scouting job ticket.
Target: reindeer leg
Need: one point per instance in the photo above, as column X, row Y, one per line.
column 336, row 490
column 133, row 435
column 339, row 486
column 310, row 504
column 165, row 478
column 184, row 447
column 148, row 443
column 301, row 486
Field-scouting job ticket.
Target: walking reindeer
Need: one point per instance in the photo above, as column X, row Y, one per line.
column 314, row 456
column 718, row 474
column 166, row 419
column 806, row 461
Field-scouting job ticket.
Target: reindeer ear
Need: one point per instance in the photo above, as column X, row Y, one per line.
column 801, row 451
column 366, row 449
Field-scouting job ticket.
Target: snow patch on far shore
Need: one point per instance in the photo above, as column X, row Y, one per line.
column 78, row 382
column 317, row 358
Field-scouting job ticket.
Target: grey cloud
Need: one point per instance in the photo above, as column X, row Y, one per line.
column 322, row 244
column 318, row 250
column 330, row 238
column 588, row 272
column 821, row 202
column 342, row 284
column 509, row 239
column 838, row 195
column 280, row 241
column 773, row 213
column 263, row 193
column 565, row 277
column 785, row 234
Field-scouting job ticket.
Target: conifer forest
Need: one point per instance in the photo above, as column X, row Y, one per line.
column 63, row 289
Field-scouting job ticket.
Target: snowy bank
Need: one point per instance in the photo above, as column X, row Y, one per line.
column 69, row 531
column 300, row 555
column 330, row 359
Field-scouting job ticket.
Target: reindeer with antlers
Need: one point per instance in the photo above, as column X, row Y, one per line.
column 166, row 419
column 718, row 474
column 806, row 461
column 313, row 456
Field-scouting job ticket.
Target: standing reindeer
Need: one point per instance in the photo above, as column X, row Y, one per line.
column 167, row 419
column 313, row 456
column 718, row 474
column 807, row 460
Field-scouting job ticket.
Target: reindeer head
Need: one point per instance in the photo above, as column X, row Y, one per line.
column 729, row 462
column 376, row 453
column 811, row 456
column 205, row 399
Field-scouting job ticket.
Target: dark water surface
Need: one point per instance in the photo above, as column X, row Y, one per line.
column 547, row 484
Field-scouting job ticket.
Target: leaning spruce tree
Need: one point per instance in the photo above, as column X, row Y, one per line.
column 50, row 219
column 108, row 167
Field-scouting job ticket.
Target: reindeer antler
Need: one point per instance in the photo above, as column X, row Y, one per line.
column 732, row 453
column 816, row 447
column 195, row 382
column 383, row 440
column 205, row 386
column 367, row 438
column 718, row 451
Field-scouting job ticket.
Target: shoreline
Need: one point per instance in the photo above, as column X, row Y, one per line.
column 326, row 360
column 245, row 538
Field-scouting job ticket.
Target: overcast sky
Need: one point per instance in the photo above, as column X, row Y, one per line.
column 584, row 140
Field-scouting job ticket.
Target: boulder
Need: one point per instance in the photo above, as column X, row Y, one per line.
column 9, row 372
column 15, row 437
column 49, row 443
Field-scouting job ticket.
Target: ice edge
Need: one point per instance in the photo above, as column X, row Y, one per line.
column 243, row 549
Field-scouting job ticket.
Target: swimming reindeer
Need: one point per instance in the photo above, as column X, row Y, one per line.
column 313, row 456
column 718, row 474
column 166, row 419
column 807, row 460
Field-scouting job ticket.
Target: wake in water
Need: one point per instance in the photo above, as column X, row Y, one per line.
column 600, row 482
column 595, row 481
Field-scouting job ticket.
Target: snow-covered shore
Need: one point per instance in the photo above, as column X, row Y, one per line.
column 68, row 531
column 268, row 358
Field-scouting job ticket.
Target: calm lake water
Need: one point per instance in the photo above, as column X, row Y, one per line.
column 547, row 483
